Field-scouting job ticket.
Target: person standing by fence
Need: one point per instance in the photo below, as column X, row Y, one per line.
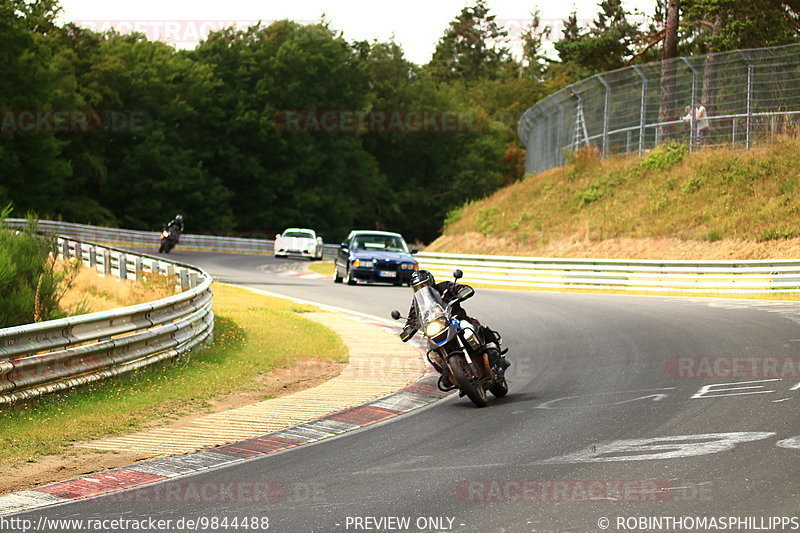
column 703, row 126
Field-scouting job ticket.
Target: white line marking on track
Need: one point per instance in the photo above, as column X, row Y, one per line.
column 706, row 390
column 652, row 397
column 671, row 447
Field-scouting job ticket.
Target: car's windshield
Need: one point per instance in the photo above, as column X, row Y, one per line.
column 385, row 243
column 429, row 305
column 299, row 234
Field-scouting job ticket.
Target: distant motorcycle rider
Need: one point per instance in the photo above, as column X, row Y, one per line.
column 448, row 290
column 175, row 227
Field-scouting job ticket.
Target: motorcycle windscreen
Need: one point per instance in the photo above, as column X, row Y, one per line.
column 429, row 305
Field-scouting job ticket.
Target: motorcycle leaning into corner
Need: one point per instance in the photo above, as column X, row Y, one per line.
column 456, row 348
column 169, row 238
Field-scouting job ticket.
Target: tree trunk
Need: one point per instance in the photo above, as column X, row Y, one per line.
column 666, row 109
column 709, row 94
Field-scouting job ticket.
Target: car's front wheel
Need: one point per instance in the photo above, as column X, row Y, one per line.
column 336, row 277
column 351, row 279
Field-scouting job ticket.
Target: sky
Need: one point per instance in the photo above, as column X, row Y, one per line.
column 416, row 25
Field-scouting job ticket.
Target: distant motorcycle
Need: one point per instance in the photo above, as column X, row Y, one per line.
column 455, row 345
column 169, row 238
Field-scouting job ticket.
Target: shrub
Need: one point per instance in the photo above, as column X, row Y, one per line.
column 774, row 234
column 665, row 156
column 485, row 219
column 30, row 287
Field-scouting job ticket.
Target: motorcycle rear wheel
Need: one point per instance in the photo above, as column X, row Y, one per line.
column 474, row 392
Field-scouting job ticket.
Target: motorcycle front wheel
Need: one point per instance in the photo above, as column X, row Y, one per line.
column 474, row 392
column 500, row 388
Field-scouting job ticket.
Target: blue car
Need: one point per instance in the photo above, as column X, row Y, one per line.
column 374, row 256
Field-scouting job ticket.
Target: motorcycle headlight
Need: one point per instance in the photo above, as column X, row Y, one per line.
column 434, row 328
column 165, row 234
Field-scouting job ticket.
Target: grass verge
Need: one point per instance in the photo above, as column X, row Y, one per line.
column 253, row 335
column 322, row 267
column 89, row 292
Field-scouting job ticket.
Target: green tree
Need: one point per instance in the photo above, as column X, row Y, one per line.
column 33, row 173
column 607, row 45
column 533, row 36
column 473, row 47
column 280, row 174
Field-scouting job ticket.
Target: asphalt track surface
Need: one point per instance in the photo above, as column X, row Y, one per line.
column 606, row 419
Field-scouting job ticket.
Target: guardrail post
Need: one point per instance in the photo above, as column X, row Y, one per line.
column 184, row 275
column 65, row 249
column 92, row 257
column 78, row 252
column 193, row 277
column 123, row 266
column 106, row 262
column 154, row 267
column 139, row 268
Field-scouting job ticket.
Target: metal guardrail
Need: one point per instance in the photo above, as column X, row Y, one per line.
column 148, row 238
column 58, row 354
column 758, row 276
column 151, row 239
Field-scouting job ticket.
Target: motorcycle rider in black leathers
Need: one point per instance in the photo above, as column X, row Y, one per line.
column 448, row 290
column 175, row 227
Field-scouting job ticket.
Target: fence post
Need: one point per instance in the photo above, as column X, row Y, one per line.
column 749, row 102
column 606, row 110
column 560, row 156
column 642, row 107
column 65, row 249
column 693, row 128
column 139, row 268
column 93, row 257
column 184, row 279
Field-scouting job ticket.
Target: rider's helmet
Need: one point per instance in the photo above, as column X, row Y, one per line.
column 178, row 218
column 422, row 278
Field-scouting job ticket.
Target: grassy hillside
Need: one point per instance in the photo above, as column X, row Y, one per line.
column 667, row 204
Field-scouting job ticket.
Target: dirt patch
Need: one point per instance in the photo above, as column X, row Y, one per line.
column 74, row 461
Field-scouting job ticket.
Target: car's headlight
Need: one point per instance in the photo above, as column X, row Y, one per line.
column 435, row 327
column 408, row 266
column 356, row 263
